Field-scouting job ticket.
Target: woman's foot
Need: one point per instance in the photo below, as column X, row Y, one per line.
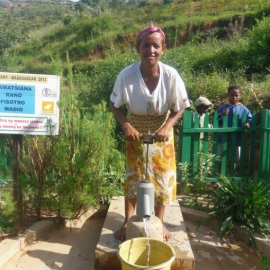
column 121, row 233
column 129, row 212
column 159, row 212
column 167, row 236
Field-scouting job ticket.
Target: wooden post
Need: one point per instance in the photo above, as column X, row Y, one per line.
column 16, row 171
column 186, row 138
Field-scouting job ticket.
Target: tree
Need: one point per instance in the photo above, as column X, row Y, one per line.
column 67, row 20
column 116, row 3
column 167, row 2
column 86, row 2
column 10, row 31
column 100, row 5
column 81, row 7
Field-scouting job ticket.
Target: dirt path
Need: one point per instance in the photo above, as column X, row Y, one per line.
column 74, row 250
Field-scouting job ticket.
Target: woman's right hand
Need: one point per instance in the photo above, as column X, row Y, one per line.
column 131, row 134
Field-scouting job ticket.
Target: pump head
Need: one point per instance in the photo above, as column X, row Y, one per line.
column 145, row 198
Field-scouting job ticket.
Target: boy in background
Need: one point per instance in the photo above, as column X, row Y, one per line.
column 202, row 104
column 231, row 108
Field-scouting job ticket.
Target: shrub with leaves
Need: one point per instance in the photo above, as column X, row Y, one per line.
column 245, row 203
column 8, row 211
column 198, row 186
column 64, row 175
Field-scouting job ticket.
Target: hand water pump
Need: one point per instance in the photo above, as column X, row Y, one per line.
column 145, row 208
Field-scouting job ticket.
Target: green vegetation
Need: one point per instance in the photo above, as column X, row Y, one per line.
column 79, row 168
column 8, row 211
column 212, row 44
column 63, row 176
column 244, row 203
column 36, row 14
column 10, row 33
column 197, row 197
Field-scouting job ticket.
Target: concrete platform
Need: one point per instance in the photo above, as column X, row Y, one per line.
column 262, row 243
column 106, row 249
column 43, row 247
column 75, row 247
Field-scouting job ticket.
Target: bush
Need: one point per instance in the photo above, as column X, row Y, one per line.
column 245, row 203
column 67, row 19
column 167, row 2
column 65, row 175
column 8, row 212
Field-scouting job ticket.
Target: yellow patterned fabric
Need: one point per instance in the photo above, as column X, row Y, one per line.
column 161, row 170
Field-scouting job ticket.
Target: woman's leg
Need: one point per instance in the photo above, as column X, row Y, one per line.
column 129, row 212
column 159, row 212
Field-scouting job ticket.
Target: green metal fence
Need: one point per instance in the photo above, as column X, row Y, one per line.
column 255, row 145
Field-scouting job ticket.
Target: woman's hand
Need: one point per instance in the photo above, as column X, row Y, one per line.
column 162, row 135
column 131, row 134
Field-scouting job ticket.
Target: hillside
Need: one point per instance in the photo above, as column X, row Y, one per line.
column 86, row 38
column 211, row 43
column 34, row 14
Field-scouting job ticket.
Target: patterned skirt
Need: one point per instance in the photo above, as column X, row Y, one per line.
column 161, row 167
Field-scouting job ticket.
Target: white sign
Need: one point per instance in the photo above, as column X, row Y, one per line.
column 29, row 104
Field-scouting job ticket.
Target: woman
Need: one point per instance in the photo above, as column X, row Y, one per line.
column 155, row 97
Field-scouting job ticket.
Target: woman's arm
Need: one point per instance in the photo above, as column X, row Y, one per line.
column 131, row 133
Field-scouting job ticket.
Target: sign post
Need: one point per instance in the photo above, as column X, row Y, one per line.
column 17, row 191
column 28, row 106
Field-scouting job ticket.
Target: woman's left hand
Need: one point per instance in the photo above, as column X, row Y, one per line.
column 162, row 135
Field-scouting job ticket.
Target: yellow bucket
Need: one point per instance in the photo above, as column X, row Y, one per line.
column 133, row 254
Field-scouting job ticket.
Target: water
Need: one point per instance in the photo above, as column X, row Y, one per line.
column 146, row 229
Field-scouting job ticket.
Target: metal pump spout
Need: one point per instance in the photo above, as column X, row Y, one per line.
column 145, row 199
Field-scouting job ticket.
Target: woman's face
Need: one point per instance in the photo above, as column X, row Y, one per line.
column 150, row 48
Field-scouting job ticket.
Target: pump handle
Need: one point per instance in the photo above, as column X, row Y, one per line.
column 147, row 138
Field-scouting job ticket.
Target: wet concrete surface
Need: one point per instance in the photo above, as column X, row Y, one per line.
column 73, row 249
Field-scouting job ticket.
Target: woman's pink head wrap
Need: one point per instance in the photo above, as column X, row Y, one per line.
column 149, row 30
